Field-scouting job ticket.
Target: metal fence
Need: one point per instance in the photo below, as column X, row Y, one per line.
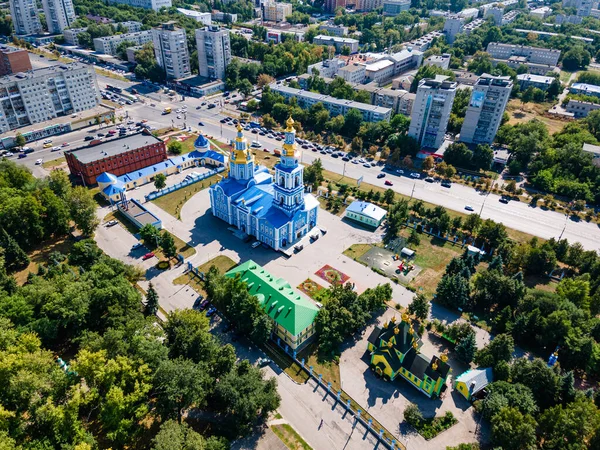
column 182, row 184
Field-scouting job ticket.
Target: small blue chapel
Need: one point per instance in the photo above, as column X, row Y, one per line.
column 275, row 211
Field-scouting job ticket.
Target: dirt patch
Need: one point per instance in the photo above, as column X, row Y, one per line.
column 40, row 256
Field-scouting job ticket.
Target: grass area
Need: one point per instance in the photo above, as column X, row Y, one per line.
column 328, row 205
column 109, row 74
column 40, row 255
column 519, row 113
column 430, row 428
column 222, row 262
column 540, row 283
column 565, row 75
column 265, row 159
column 314, row 290
column 192, row 281
column 285, row 363
column 355, row 251
column 329, row 369
column 174, row 201
column 54, row 163
column 290, row 437
column 278, row 416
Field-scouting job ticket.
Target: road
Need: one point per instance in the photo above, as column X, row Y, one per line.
column 516, row 215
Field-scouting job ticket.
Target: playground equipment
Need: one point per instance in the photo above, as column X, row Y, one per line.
column 405, row 267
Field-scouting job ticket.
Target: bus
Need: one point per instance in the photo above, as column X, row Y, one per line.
column 115, row 89
column 166, row 111
column 128, row 96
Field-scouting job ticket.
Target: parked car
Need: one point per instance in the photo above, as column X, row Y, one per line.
column 198, row 302
column 136, row 246
column 148, row 256
column 203, row 305
column 446, row 184
column 211, row 311
column 263, row 362
column 400, row 171
column 111, row 223
column 415, row 175
column 504, row 200
column 39, row 162
column 88, row 138
column 256, row 244
column 429, row 180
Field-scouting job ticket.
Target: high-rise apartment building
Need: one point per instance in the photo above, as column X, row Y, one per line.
column 395, row 7
column 13, row 60
column 146, row 4
column 431, row 111
column 368, row 5
column 452, row 26
column 583, row 7
column 331, row 5
column 170, row 48
column 25, row 17
column 214, row 51
column 276, row 11
column 43, row 94
column 486, row 107
column 60, row 14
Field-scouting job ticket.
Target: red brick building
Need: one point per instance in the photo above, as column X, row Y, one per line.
column 117, row 156
column 13, row 60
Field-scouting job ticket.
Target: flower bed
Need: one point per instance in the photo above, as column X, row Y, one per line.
column 331, row 275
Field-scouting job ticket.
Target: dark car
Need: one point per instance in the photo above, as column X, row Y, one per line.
column 223, row 120
column 204, row 305
column 88, row 138
column 211, row 311
column 504, row 200
column 381, row 175
column 446, row 184
column 429, row 180
column 345, row 158
column 211, row 106
column 200, row 124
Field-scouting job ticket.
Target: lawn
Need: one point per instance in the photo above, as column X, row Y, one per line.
column 174, row 201
column 222, row 262
column 265, row 159
column 290, row 437
column 530, row 111
column 355, row 251
column 55, row 162
column 40, row 254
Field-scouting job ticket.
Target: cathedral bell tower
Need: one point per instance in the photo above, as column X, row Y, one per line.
column 241, row 161
column 288, row 193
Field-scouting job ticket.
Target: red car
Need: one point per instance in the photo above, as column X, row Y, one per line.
column 148, row 256
column 388, row 183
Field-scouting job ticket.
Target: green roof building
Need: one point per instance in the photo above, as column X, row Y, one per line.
column 293, row 315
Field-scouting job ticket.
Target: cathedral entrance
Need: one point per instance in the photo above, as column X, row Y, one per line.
column 284, row 242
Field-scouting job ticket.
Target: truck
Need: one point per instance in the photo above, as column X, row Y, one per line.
column 166, row 111
column 254, row 125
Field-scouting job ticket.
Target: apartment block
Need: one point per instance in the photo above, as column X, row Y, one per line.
column 171, row 51
column 585, row 89
column 70, row 35
column 108, row 44
column 581, row 109
column 453, row 26
column 146, row 4
column 328, row 68
column 353, row 73
column 331, row 5
column 13, row 60
column 276, row 11
column 368, row 5
column 583, row 7
column 575, row 20
column 424, row 42
column 60, row 14
column 338, row 42
column 43, row 94
column 334, row 105
column 488, row 101
column 431, row 111
column 442, row 61
column 537, row 81
column 534, row 55
column 497, row 13
column 201, row 17
column 219, row 16
column 24, row 15
column 131, row 26
column 214, row 51
column 395, row 7
column 335, row 30
column 541, row 13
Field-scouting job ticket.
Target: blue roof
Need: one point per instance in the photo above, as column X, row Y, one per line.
column 201, row 141
column 155, row 168
column 367, row 209
column 230, row 186
column 106, row 177
column 113, row 189
column 210, row 154
column 257, row 199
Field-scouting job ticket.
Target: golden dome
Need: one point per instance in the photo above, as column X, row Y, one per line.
column 396, row 330
column 444, row 357
column 393, row 319
column 415, row 344
column 290, row 124
column 434, row 366
column 385, row 325
column 239, row 127
column 405, row 317
column 390, row 344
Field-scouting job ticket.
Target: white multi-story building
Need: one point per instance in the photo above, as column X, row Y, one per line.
column 71, row 35
column 170, row 49
column 25, row 17
column 537, row 81
column 328, row 68
column 535, row 55
column 541, row 13
column 214, row 51
column 488, row 101
column 424, row 42
column 583, row 7
column 276, row 11
column 395, row 7
column 453, row 26
column 131, row 26
column 108, row 44
column 442, row 61
column 334, row 30
column 44, row 94
column 198, row 16
column 338, row 42
column 497, row 13
column 431, row 111
column 353, row 73
column 335, row 106
column 60, row 14
column 146, row 4
column 580, row 108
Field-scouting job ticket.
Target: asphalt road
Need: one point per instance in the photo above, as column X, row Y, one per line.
column 516, row 215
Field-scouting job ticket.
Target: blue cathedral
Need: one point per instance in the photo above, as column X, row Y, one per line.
column 275, row 211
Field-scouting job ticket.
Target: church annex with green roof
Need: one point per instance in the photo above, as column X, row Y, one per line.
column 293, row 315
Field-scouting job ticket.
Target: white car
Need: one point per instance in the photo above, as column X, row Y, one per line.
column 39, row 162
column 9, row 154
column 48, row 141
column 255, row 244
column 415, row 175
column 55, row 148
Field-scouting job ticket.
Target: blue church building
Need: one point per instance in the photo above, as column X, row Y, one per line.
column 274, row 209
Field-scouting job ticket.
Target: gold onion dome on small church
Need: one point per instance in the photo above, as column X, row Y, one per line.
column 241, row 155
column 289, row 149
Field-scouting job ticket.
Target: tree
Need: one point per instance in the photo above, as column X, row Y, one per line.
column 160, row 181
column 264, row 80
column 541, row 379
column 483, row 157
column 570, row 425
column 245, row 87
column 150, row 235
column 352, row 122
column 178, row 436
column 20, row 140
column 85, row 254
column 428, row 163
column 413, row 415
column 498, row 349
column 419, row 307
column 167, row 245
column 512, row 430
column 83, row 209
column 414, row 238
column 357, row 145
column 58, row 182
column 180, row 384
column 388, row 196
column 151, row 307
column 458, row 154
column 14, row 256
column 502, row 394
column 175, row 147
column 453, row 291
column 407, row 162
column 313, row 174
column 467, row 348
column 576, row 58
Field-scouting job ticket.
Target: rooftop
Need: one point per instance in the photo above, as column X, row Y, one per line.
column 336, row 39
column 286, row 306
column 595, row 149
column 379, row 65
column 476, row 379
column 535, row 78
column 10, row 49
column 586, row 87
column 113, row 147
column 44, row 71
column 367, row 209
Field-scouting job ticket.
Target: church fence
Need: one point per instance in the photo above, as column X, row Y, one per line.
column 185, row 183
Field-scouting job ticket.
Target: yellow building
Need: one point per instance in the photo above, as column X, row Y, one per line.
column 471, row 384
column 395, row 351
